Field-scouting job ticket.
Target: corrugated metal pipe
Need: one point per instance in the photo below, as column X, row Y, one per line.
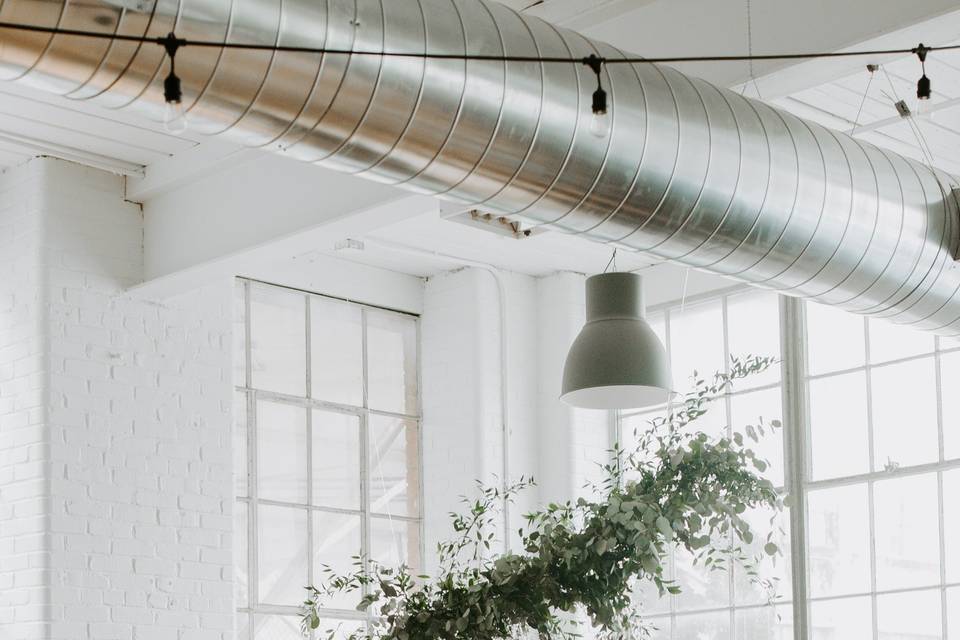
column 690, row 172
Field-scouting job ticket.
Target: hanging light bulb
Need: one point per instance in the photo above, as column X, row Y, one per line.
column 174, row 114
column 600, row 120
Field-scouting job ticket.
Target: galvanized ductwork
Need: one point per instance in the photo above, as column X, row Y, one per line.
column 691, row 173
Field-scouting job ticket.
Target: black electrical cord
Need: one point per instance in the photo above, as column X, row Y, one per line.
column 163, row 40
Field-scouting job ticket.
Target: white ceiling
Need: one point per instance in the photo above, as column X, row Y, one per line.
column 829, row 91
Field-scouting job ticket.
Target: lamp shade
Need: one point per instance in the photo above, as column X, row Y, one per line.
column 617, row 361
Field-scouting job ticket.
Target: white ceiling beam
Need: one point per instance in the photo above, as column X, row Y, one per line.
column 178, row 170
column 29, row 146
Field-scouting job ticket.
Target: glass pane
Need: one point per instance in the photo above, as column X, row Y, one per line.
column 278, row 340
column 846, row 619
column 696, row 343
column 753, row 328
column 905, row 414
column 951, row 525
column 714, row 422
column 909, row 616
column 701, row 587
column 953, row 611
column 241, row 624
column 276, row 628
column 772, row 569
column 907, row 532
column 338, row 628
column 702, row 626
column 759, row 409
column 839, row 540
column 835, row 338
column 240, row 463
column 838, row 426
column 392, row 362
column 950, row 379
column 336, row 351
column 240, row 559
column 889, row 341
column 281, row 452
column 764, row 623
column 394, row 466
column 336, row 545
column 282, row 551
column 658, row 628
column 395, row 542
column 336, row 460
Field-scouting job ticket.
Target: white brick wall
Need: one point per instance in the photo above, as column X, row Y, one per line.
column 137, row 399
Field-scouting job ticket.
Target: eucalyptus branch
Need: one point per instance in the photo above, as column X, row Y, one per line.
column 677, row 488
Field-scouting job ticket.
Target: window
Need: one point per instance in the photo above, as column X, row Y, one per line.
column 871, row 436
column 327, row 447
column 701, row 338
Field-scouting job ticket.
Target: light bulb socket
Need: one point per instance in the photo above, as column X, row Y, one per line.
column 923, row 88
column 599, row 102
column 172, row 92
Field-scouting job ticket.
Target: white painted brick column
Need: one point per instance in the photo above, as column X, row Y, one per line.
column 134, row 428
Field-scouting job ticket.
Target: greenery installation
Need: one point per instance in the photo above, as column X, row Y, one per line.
column 678, row 487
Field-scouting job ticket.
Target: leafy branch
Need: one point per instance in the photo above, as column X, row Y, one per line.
column 677, row 488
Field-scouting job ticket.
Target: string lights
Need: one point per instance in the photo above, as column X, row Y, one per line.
column 176, row 122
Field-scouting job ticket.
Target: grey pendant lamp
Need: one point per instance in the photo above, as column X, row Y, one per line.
column 617, row 361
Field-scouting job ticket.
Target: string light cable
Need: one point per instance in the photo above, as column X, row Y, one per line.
column 172, row 44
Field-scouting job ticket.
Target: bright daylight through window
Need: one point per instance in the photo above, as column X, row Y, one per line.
column 864, row 405
column 327, row 447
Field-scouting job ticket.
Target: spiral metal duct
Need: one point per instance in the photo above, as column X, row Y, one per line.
column 691, row 173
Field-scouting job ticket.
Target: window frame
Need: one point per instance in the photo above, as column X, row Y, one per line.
column 797, row 452
column 243, row 386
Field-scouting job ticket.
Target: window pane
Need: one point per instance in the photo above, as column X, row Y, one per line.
column 336, row 460
column 333, row 629
column 395, row 542
column 281, row 452
column 838, row 426
column 701, row 587
column 278, row 342
column 276, row 628
column 905, row 414
column 773, row 569
column 659, row 628
column 240, row 463
column 392, row 362
column 336, row 544
column 953, row 611
column 846, row 619
column 949, row 380
column 702, row 626
column 336, row 351
column 753, row 328
column 282, row 539
column 951, row 525
column 241, row 624
column 696, row 343
column 646, row 596
column 714, row 422
column 394, row 460
column 836, row 339
column 909, row 616
column 764, row 623
column 759, row 409
column 907, row 532
column 240, row 559
column 889, row 341
column 838, row 540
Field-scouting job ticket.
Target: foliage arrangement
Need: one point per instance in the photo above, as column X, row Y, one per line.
column 676, row 488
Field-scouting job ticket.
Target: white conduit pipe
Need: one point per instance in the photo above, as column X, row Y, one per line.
column 504, row 379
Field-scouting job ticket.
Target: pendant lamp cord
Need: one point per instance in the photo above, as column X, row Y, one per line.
column 612, row 261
